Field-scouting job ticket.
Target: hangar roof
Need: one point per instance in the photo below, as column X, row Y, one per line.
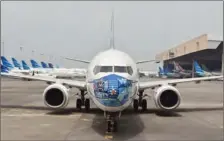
column 199, row 43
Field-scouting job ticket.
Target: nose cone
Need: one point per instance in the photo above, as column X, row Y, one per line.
column 112, row 90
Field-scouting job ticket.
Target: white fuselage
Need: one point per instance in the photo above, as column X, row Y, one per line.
column 112, row 90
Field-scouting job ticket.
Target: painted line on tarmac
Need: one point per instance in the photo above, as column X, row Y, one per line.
column 38, row 115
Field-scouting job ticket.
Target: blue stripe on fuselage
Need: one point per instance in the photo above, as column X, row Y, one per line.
column 112, row 90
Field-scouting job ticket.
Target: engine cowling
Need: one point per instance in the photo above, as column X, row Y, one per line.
column 167, row 97
column 56, row 96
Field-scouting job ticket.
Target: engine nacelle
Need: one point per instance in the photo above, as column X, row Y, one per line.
column 167, row 97
column 56, row 96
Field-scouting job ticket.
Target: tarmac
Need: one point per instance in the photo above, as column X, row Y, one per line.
column 25, row 117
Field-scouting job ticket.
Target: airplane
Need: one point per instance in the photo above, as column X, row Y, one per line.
column 13, row 69
column 199, row 72
column 112, row 83
column 214, row 73
column 44, row 65
column 169, row 74
column 58, row 72
column 184, row 73
column 16, row 64
column 4, row 69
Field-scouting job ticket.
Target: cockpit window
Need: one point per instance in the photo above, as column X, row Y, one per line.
column 120, row 69
column 123, row 69
column 130, row 70
column 98, row 69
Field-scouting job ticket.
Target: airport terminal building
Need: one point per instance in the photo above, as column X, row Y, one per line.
column 201, row 49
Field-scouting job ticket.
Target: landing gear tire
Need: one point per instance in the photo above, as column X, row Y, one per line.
column 135, row 105
column 87, row 105
column 144, row 105
column 111, row 127
column 79, row 104
column 115, row 126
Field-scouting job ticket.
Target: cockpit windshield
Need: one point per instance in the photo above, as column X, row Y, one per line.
column 98, row 69
column 118, row 69
column 123, row 69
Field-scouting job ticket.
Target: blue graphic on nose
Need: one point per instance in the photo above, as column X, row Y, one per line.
column 112, row 90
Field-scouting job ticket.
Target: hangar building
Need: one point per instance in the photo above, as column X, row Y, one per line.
column 201, row 49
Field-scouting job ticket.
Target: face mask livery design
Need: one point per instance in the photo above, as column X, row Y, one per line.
column 112, row 90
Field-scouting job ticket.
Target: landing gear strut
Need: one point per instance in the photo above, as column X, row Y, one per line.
column 112, row 119
column 140, row 102
column 83, row 102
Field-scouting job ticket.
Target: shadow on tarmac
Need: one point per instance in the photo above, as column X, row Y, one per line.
column 129, row 125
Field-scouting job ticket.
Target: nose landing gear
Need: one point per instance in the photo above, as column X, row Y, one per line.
column 83, row 102
column 112, row 119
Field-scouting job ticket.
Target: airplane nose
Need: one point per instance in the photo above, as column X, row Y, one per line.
column 112, row 90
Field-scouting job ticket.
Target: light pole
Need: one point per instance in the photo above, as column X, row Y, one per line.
column 2, row 48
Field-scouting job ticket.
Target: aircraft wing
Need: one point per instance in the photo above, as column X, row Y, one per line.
column 72, row 83
column 78, row 60
column 146, row 61
column 153, row 84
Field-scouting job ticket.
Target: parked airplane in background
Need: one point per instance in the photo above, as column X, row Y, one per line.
column 214, row 73
column 199, row 72
column 150, row 74
column 167, row 73
column 183, row 73
column 11, row 68
column 112, row 82
column 44, row 65
column 58, row 72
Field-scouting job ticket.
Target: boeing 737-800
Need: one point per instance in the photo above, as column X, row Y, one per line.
column 112, row 83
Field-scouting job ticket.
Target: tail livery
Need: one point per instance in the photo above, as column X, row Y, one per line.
column 25, row 66
column 198, row 69
column 178, row 67
column 44, row 65
column 50, row 65
column 4, row 69
column 15, row 63
column 6, row 63
column 34, row 64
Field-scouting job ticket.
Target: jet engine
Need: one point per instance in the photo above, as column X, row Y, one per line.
column 167, row 97
column 56, row 96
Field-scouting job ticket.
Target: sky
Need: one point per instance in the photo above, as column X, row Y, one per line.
column 80, row 30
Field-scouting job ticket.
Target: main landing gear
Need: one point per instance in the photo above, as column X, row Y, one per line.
column 112, row 118
column 83, row 102
column 140, row 102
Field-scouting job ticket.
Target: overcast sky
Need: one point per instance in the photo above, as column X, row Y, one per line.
column 81, row 29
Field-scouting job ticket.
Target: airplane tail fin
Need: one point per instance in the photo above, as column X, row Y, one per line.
column 112, row 31
column 4, row 69
column 57, row 66
column 34, row 64
column 197, row 67
column 44, row 65
column 16, row 63
column 50, row 65
column 178, row 67
column 25, row 66
column 161, row 72
column 6, row 63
